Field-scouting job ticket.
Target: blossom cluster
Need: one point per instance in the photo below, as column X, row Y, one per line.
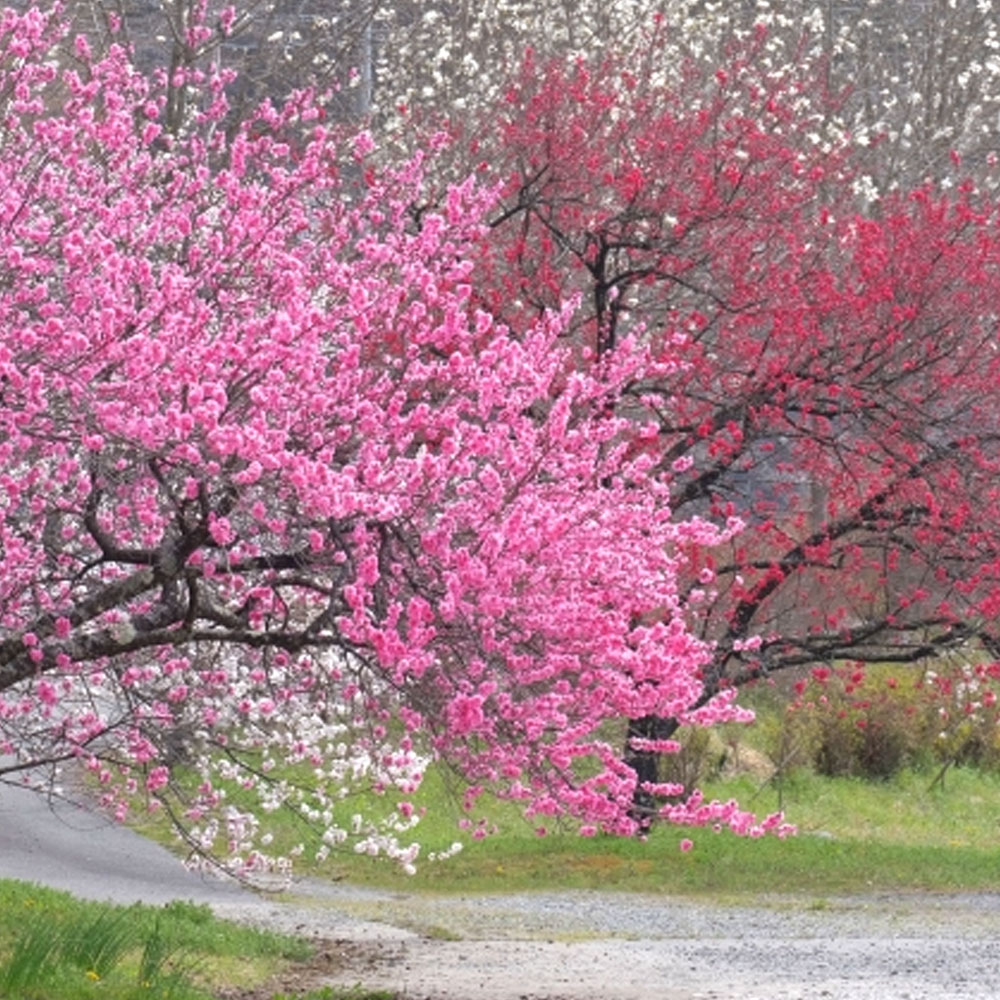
column 286, row 512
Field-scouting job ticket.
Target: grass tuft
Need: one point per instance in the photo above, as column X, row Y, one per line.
column 30, row 961
column 55, row 947
column 357, row 992
column 97, row 946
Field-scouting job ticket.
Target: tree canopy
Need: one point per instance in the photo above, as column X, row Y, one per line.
column 276, row 489
column 631, row 381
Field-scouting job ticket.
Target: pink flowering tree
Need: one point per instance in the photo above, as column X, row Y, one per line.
column 276, row 495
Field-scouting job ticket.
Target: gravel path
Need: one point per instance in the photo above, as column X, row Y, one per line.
column 549, row 946
column 616, row 946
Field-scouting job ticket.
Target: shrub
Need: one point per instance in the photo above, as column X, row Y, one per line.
column 872, row 721
column 963, row 714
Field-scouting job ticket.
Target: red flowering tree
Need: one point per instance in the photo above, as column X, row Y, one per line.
column 834, row 372
column 275, row 491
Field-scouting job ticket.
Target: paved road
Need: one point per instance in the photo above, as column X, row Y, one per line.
column 66, row 847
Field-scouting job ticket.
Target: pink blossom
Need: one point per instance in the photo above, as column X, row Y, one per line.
column 157, row 778
column 285, row 487
column 465, row 714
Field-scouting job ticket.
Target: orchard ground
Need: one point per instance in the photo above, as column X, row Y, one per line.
column 567, row 944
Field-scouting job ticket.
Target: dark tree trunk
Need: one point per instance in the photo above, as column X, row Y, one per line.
column 646, row 764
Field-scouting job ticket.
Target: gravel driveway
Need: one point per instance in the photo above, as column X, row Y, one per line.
column 550, row 946
column 616, row 946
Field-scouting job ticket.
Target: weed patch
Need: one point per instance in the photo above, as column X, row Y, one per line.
column 55, row 947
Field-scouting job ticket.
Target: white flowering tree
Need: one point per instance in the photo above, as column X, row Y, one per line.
column 911, row 82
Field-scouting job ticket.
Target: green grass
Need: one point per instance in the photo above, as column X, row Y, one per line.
column 906, row 811
column 911, row 833
column 55, row 947
column 719, row 865
column 853, row 836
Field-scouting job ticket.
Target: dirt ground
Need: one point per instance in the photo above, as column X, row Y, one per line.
column 616, row 946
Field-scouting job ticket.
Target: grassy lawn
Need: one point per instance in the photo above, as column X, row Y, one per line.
column 56, row 947
column 922, row 829
column 854, row 836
